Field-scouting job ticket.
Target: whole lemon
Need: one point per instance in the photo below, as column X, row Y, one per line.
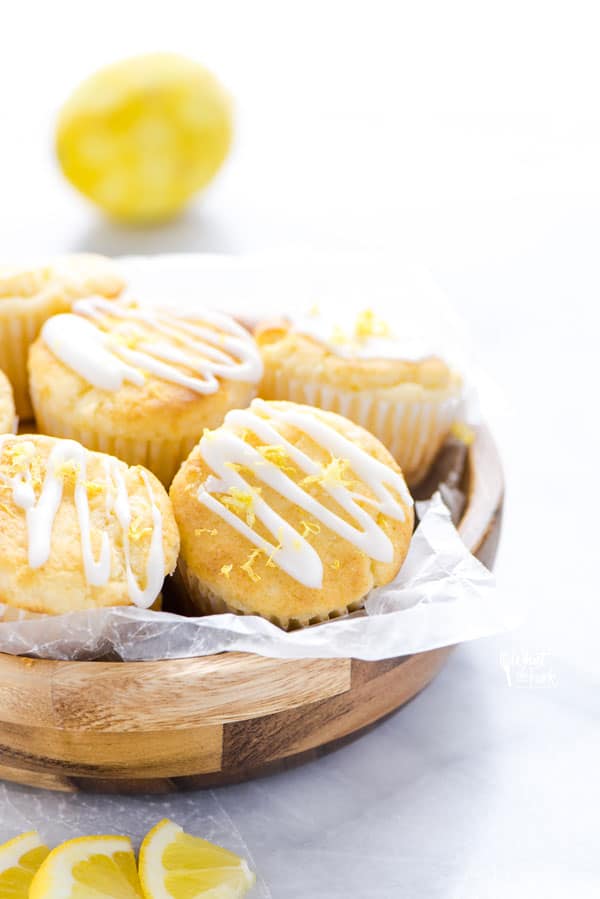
column 141, row 136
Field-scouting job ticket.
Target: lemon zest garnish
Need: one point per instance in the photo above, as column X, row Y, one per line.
column 130, row 340
column 270, row 563
column 136, row 532
column 68, row 472
column 334, row 471
column 241, row 501
column 368, row 324
column 462, row 432
column 247, row 566
column 297, row 544
column 226, row 570
column 277, row 454
column 235, row 466
column 382, row 522
column 335, row 564
column 331, row 475
column 36, row 473
column 93, row 488
column 312, row 479
column 207, row 434
column 310, row 527
column 212, row 531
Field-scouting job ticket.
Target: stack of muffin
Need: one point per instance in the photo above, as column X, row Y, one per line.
column 286, row 454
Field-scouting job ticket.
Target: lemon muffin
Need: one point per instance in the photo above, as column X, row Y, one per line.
column 391, row 384
column 140, row 382
column 30, row 295
column 79, row 529
column 291, row 513
column 8, row 418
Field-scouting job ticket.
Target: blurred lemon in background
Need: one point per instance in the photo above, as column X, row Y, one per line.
column 141, row 136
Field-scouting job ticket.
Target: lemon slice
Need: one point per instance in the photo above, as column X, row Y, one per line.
column 19, row 860
column 141, row 136
column 175, row 865
column 88, row 868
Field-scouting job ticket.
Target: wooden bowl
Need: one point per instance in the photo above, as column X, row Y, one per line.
column 141, row 727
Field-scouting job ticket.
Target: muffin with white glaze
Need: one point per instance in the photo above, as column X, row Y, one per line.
column 140, row 382
column 8, row 418
column 79, row 530
column 31, row 294
column 291, row 513
column 359, row 365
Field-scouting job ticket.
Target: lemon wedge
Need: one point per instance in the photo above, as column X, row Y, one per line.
column 141, row 136
column 175, row 865
column 19, row 860
column 88, row 868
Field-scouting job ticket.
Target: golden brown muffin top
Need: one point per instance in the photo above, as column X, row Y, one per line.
column 66, row 277
column 147, row 371
column 80, row 529
column 357, row 349
column 291, row 512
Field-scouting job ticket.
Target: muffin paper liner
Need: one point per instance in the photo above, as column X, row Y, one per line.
column 412, row 429
column 162, row 457
column 17, row 333
column 442, row 595
column 196, row 599
column 9, row 425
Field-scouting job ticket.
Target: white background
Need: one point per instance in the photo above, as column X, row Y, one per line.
column 467, row 135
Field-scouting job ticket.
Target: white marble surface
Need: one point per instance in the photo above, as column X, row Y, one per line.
column 471, row 138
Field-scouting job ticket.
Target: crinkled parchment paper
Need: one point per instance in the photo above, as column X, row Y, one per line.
column 442, row 595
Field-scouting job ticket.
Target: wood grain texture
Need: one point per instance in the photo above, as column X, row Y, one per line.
column 377, row 689
column 165, row 753
column 160, row 726
column 186, row 693
column 110, row 697
column 36, row 779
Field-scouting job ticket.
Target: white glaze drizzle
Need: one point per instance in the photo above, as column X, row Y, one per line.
column 337, row 332
column 293, row 553
column 87, row 341
column 40, row 515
